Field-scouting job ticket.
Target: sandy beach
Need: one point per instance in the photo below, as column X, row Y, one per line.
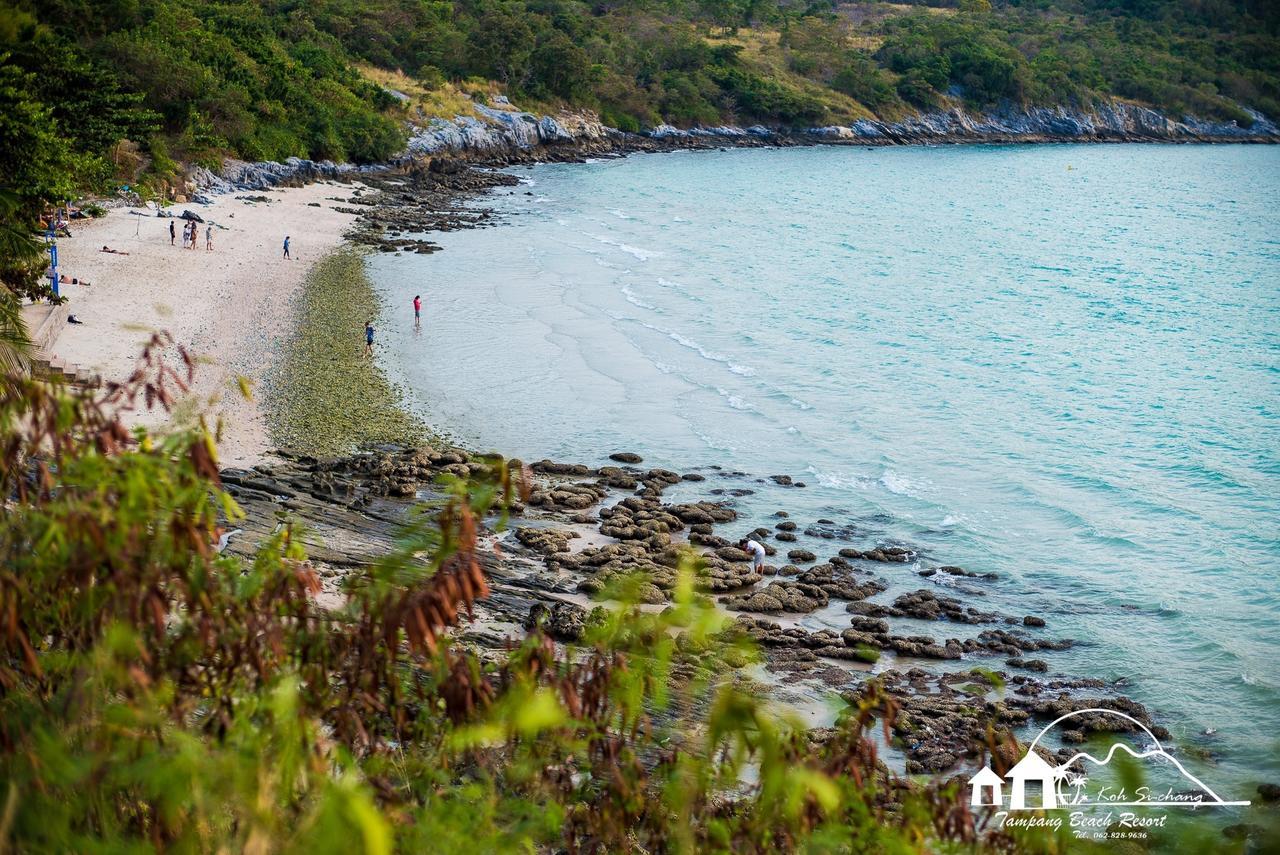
column 231, row 307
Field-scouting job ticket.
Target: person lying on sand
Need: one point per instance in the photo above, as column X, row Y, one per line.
column 71, row 280
column 112, row 251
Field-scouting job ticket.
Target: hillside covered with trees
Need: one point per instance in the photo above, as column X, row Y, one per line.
column 103, row 89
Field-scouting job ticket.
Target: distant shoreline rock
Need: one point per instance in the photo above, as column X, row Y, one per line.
column 505, row 137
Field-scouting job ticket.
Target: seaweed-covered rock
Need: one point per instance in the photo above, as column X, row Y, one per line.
column 562, row 621
column 926, row 605
column 780, row 596
column 548, row 541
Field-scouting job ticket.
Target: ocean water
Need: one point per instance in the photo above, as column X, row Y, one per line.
column 1057, row 363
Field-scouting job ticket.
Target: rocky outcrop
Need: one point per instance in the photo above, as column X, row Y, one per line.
column 238, row 175
column 1116, row 120
column 504, row 135
column 498, row 134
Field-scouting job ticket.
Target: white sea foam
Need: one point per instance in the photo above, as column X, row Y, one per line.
column 733, row 400
column 681, row 288
column 711, row 355
column 642, row 254
column 903, row 486
column 1251, row 679
column 715, row 444
column 622, row 215
column 839, row 480
column 796, row 402
column 634, row 300
column 637, row 252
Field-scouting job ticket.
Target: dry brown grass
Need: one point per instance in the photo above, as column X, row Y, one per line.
column 444, row 101
column 762, row 52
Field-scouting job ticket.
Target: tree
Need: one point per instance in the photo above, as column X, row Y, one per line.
column 36, row 166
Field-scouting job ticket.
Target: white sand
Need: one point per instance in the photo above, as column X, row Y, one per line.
column 231, row 307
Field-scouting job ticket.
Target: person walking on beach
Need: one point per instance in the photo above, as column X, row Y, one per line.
column 186, row 233
column 757, row 552
column 286, row 246
column 417, row 311
column 368, row 337
column 208, row 238
column 173, row 234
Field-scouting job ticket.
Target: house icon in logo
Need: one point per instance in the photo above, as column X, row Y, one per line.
column 988, row 781
column 986, row 785
column 1033, row 768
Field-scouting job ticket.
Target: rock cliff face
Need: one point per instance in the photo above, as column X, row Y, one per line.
column 503, row 136
column 239, row 175
column 499, row 132
column 1115, row 121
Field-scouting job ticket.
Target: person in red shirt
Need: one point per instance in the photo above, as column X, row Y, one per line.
column 417, row 311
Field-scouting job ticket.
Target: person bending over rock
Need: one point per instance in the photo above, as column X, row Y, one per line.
column 756, row 549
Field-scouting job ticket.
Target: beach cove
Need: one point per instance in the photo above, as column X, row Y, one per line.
column 840, row 545
column 1047, row 363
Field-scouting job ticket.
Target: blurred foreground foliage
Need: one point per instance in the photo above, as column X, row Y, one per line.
column 156, row 695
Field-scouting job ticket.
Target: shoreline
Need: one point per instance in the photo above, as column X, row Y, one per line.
column 231, row 308
column 574, row 542
column 323, row 397
column 796, row 653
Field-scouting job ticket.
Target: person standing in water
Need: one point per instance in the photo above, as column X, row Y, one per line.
column 757, row 552
column 286, row 246
column 368, row 337
column 417, row 311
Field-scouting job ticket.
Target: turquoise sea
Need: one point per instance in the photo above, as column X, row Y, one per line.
column 1057, row 363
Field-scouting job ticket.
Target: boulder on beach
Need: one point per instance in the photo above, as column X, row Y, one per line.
column 783, row 596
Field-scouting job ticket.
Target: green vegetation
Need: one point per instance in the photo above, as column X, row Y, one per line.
column 158, row 696
column 325, row 397
column 266, row 80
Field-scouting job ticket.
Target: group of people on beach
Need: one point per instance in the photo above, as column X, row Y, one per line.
column 191, row 234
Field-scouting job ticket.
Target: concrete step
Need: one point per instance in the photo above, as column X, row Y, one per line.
column 66, row 372
column 44, row 323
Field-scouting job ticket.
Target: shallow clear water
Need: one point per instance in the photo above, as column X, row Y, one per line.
column 1058, row 363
